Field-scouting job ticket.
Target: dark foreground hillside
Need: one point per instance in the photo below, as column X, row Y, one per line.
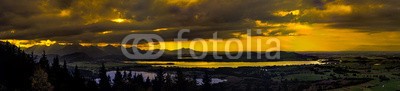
column 19, row 72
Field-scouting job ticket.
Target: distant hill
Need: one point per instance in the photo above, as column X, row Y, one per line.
column 77, row 56
column 92, row 51
column 186, row 56
column 325, row 54
column 38, row 49
column 111, row 50
column 95, row 53
column 68, row 52
column 185, row 51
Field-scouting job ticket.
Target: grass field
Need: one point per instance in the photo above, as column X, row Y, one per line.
column 303, row 77
column 391, row 85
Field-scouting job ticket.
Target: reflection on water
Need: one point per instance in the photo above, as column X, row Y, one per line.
column 186, row 64
column 199, row 81
column 152, row 75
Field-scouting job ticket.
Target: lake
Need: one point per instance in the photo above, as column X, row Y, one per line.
column 152, row 75
column 203, row 64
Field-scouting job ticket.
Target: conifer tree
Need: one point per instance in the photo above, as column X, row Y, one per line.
column 40, row 80
column 92, row 85
column 55, row 74
column 44, row 62
column 16, row 67
column 181, row 81
column 118, row 80
column 158, row 82
column 124, row 76
column 139, row 79
column 206, row 82
column 168, row 83
column 147, row 83
column 65, row 75
column 56, row 64
column 104, row 83
column 78, row 80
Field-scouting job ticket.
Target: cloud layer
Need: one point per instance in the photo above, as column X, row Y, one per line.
column 86, row 20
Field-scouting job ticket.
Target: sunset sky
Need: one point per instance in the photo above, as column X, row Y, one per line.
column 300, row 25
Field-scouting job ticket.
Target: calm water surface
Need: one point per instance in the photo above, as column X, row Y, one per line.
column 152, row 75
column 199, row 64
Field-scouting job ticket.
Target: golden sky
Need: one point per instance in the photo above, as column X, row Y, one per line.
column 300, row 25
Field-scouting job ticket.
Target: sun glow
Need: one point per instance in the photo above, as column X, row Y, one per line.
column 47, row 42
column 120, row 20
column 285, row 13
column 105, row 32
column 29, row 43
column 182, row 3
column 65, row 13
column 160, row 29
column 331, row 10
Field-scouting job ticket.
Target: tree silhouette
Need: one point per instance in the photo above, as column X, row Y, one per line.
column 181, row 81
column 137, row 82
column 92, row 85
column 206, row 82
column 16, row 67
column 44, row 62
column 168, row 83
column 139, row 79
column 104, row 79
column 118, row 80
column 64, row 79
column 40, row 80
column 56, row 64
column 55, row 74
column 78, row 80
column 158, row 82
column 124, row 75
column 28, row 76
column 193, row 83
column 147, row 84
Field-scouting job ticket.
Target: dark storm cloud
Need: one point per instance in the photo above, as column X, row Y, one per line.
column 70, row 20
column 366, row 15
